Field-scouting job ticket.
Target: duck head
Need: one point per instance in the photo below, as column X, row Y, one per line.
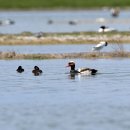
column 36, row 67
column 20, row 67
column 71, row 64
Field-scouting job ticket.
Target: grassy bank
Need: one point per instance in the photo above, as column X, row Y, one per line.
column 87, row 55
column 64, row 38
column 52, row 4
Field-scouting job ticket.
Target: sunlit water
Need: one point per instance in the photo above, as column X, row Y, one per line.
column 34, row 49
column 56, row 101
column 86, row 20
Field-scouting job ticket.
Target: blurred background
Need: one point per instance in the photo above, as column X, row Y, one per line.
column 51, row 4
column 63, row 15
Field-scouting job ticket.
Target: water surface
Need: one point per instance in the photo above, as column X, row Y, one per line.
column 85, row 20
column 34, row 49
column 57, row 101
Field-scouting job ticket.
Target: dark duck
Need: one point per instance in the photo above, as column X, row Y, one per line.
column 37, row 71
column 84, row 71
column 20, row 69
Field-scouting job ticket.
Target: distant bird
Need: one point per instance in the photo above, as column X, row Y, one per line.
column 115, row 12
column 50, row 21
column 101, row 20
column 99, row 46
column 39, row 34
column 72, row 22
column 7, row 22
column 106, row 29
column 36, row 71
column 84, row 71
column 20, row 69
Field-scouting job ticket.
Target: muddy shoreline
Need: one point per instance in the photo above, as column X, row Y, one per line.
column 72, row 38
column 84, row 55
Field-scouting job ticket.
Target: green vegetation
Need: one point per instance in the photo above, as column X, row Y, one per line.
column 52, row 4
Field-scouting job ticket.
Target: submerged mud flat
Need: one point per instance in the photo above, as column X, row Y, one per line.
column 68, row 38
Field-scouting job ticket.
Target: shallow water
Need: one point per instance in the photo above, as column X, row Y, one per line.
column 34, row 49
column 86, row 20
column 57, row 101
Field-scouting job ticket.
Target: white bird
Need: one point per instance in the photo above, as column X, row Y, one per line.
column 106, row 29
column 99, row 46
column 101, row 20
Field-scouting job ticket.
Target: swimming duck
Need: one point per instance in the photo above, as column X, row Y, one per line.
column 106, row 29
column 20, row 69
column 36, row 71
column 100, row 46
column 85, row 71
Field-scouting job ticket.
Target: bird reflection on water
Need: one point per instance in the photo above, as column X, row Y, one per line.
column 71, row 76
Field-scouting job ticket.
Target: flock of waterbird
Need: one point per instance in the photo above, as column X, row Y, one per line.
column 85, row 71
column 113, row 11
column 36, row 71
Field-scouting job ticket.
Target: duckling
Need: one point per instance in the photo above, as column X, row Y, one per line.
column 36, row 71
column 20, row 69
